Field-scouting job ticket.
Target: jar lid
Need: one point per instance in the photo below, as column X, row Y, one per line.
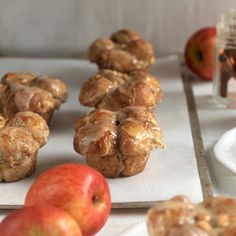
column 226, row 28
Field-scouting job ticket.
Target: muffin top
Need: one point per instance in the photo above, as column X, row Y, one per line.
column 26, row 92
column 113, row 90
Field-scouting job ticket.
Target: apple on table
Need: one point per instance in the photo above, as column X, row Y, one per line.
column 77, row 189
column 39, row 220
column 200, row 52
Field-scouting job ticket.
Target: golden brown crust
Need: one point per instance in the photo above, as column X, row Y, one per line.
column 178, row 216
column 22, row 78
column 113, row 90
column 124, row 36
column 33, row 122
column 53, row 85
column 20, row 139
column 125, row 51
column 134, row 164
column 117, row 143
column 109, row 166
column 27, row 92
column 18, row 171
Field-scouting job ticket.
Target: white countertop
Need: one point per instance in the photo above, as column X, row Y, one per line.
column 214, row 121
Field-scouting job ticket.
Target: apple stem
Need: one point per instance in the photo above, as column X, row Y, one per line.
column 95, row 199
column 199, row 55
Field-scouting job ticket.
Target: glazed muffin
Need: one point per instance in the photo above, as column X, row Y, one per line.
column 20, row 139
column 125, row 51
column 113, row 90
column 180, row 217
column 27, row 92
column 117, row 143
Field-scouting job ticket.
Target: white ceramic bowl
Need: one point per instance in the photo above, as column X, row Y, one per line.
column 225, row 150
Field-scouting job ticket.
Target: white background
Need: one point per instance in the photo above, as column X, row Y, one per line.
column 65, row 28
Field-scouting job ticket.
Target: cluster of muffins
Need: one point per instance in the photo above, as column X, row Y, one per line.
column 27, row 103
column 117, row 136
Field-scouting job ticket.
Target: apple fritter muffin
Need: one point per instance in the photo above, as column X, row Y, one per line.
column 180, row 217
column 27, row 92
column 20, row 139
column 113, row 90
column 117, row 143
column 124, row 51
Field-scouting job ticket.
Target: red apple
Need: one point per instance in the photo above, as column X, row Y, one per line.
column 79, row 190
column 39, row 220
column 199, row 52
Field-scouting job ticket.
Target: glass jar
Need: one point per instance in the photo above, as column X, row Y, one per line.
column 225, row 60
